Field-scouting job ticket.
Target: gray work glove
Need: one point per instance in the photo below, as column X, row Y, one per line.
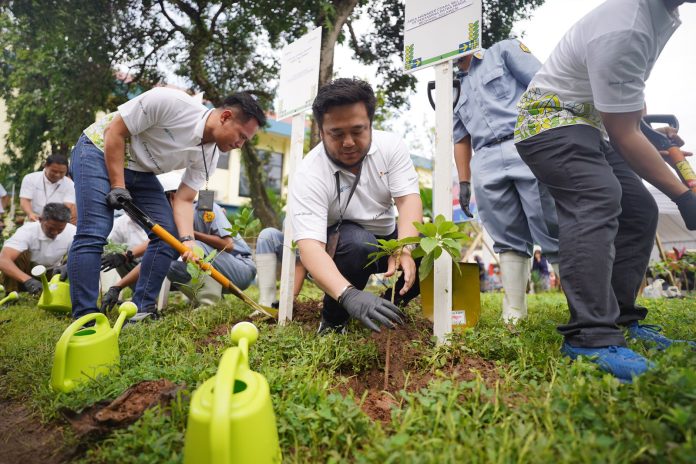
column 686, row 202
column 110, row 299
column 368, row 308
column 465, row 197
column 116, row 197
column 32, row 286
column 63, row 271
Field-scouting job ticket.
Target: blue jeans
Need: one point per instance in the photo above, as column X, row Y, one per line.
column 95, row 220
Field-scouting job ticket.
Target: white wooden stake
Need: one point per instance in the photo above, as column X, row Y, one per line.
column 287, row 270
column 442, row 197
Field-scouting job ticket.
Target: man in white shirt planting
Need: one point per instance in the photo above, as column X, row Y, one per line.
column 117, row 159
column 345, row 202
column 45, row 241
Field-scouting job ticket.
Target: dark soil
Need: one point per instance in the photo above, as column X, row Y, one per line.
column 25, row 439
column 103, row 417
column 407, row 346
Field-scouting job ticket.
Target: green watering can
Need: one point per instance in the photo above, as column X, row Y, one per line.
column 231, row 418
column 56, row 294
column 82, row 353
column 10, row 297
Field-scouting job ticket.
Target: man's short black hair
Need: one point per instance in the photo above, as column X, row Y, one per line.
column 248, row 107
column 56, row 159
column 56, row 212
column 341, row 92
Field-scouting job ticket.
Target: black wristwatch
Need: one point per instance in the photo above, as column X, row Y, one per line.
column 186, row 238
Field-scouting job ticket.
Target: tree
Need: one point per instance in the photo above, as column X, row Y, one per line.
column 57, row 71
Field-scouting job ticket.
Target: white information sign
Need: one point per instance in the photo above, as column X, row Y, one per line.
column 299, row 74
column 440, row 30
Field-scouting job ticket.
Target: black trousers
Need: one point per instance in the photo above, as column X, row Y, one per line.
column 354, row 245
column 607, row 221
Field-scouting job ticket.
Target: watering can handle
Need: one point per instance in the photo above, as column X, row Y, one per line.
column 233, row 359
column 58, row 373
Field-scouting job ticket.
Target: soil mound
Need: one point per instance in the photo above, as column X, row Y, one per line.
column 103, row 417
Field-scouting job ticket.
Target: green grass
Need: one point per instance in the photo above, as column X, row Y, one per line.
column 543, row 409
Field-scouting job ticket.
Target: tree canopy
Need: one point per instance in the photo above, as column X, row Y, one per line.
column 60, row 56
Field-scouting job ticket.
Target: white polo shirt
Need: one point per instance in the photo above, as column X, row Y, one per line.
column 37, row 188
column 387, row 173
column 601, row 64
column 3, row 194
column 43, row 250
column 166, row 127
column 127, row 231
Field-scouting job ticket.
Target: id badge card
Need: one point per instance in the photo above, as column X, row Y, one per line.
column 206, row 198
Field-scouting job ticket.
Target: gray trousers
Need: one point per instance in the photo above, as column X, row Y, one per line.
column 515, row 210
column 607, row 221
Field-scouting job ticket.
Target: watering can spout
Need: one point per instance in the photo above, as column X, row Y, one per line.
column 40, row 272
column 125, row 311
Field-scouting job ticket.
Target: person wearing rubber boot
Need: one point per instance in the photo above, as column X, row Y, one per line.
column 269, row 251
column 233, row 255
column 45, row 242
column 578, row 130
column 344, row 203
column 516, row 211
column 159, row 131
column 233, row 258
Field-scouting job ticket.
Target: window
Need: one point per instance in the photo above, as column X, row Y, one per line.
column 273, row 165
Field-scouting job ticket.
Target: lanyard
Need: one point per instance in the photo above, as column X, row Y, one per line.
column 205, row 163
column 350, row 195
column 46, row 195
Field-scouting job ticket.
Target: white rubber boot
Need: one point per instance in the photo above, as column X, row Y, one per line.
column 266, row 277
column 514, row 272
column 210, row 293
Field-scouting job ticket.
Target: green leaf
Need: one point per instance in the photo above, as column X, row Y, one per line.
column 437, row 253
column 428, row 244
column 426, row 267
column 417, row 253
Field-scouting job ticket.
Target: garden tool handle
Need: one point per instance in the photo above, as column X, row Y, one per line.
column 58, row 370
column 455, row 84
column 663, row 143
column 231, row 361
column 140, row 217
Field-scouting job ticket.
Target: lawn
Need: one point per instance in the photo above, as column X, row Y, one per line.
column 488, row 396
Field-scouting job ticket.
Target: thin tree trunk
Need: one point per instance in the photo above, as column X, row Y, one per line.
column 343, row 9
column 257, row 191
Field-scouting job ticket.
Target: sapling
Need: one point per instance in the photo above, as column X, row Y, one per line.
column 388, row 248
column 438, row 237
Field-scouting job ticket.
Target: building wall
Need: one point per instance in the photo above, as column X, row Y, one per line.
column 225, row 182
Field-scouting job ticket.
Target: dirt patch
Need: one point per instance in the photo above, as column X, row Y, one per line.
column 407, row 345
column 24, row 438
column 103, row 417
column 307, row 314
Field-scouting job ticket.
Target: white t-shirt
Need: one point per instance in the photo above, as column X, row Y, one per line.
column 387, row 173
column 166, row 127
column 3, row 193
column 126, row 231
column 601, row 63
column 37, row 188
column 43, row 250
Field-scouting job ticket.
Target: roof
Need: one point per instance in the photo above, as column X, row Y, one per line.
column 278, row 127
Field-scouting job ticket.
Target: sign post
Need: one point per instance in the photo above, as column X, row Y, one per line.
column 456, row 25
column 299, row 80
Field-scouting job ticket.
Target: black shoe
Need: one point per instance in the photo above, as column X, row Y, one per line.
column 143, row 316
column 275, row 304
column 326, row 327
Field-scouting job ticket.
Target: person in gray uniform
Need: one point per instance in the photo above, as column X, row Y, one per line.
column 515, row 209
column 233, row 259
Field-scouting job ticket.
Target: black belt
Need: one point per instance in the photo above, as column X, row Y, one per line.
column 500, row 140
